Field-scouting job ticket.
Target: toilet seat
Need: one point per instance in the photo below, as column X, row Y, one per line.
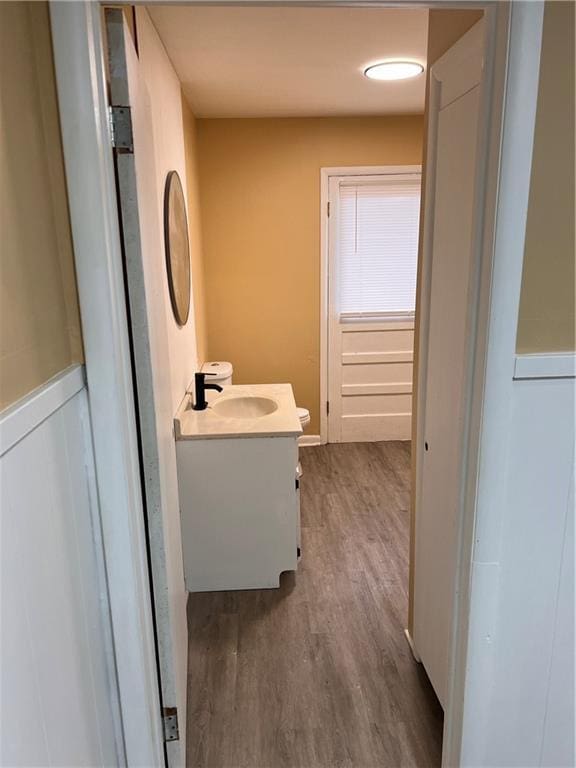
column 304, row 416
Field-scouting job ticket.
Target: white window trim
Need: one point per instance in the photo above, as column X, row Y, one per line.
column 376, row 317
column 352, row 174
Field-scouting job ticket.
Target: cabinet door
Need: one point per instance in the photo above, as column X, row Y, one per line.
column 239, row 511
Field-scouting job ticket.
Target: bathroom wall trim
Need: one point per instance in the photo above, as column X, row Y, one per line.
column 545, row 366
column 24, row 416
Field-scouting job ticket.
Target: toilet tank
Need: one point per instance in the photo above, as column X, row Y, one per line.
column 222, row 370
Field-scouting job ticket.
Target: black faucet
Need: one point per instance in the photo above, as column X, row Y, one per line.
column 200, row 388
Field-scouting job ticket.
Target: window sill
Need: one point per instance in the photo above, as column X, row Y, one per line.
column 378, row 317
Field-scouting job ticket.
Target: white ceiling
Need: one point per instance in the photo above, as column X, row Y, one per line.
column 292, row 62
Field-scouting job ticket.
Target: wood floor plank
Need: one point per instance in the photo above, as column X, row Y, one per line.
column 317, row 673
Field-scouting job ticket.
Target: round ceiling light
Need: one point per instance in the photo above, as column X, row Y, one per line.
column 394, row 70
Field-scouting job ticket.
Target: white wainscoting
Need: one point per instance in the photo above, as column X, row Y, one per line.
column 529, row 720
column 58, row 689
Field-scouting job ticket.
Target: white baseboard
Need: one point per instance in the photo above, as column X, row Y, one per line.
column 307, row 440
column 412, row 646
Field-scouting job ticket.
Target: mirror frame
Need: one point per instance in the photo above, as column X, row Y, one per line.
column 174, row 186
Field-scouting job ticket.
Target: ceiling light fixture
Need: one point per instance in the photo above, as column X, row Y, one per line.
column 394, row 70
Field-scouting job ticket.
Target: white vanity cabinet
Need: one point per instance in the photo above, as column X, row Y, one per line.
column 239, row 507
column 239, row 496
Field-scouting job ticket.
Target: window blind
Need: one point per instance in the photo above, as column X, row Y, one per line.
column 378, row 247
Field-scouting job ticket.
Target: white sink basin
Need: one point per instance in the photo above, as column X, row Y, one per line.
column 244, row 407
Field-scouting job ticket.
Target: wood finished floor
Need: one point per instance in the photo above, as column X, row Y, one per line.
column 317, row 674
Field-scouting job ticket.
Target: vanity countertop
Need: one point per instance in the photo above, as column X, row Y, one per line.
column 200, row 425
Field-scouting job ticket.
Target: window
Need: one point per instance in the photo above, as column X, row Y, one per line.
column 378, row 246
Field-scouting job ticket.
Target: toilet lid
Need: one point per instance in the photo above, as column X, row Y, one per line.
column 303, row 414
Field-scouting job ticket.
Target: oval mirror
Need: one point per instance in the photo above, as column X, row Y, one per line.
column 177, row 247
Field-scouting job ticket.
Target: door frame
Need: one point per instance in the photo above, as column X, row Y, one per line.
column 86, row 139
column 513, row 65
column 513, row 41
column 327, row 267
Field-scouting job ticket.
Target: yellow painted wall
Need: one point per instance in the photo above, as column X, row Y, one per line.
column 547, row 320
column 194, row 229
column 260, row 203
column 39, row 320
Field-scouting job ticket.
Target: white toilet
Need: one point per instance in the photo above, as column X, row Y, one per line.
column 304, row 416
column 222, row 371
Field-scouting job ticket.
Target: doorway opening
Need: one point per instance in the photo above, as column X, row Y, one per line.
column 369, row 264
column 353, row 500
column 324, row 481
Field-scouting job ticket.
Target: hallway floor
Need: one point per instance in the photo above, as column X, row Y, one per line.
column 318, row 674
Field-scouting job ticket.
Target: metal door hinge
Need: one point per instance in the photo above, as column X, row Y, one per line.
column 170, row 723
column 328, row 209
column 327, row 408
column 121, row 129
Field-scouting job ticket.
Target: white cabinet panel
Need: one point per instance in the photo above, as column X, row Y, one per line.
column 239, row 511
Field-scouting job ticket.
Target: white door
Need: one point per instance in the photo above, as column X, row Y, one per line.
column 144, row 262
column 455, row 88
column 372, row 261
